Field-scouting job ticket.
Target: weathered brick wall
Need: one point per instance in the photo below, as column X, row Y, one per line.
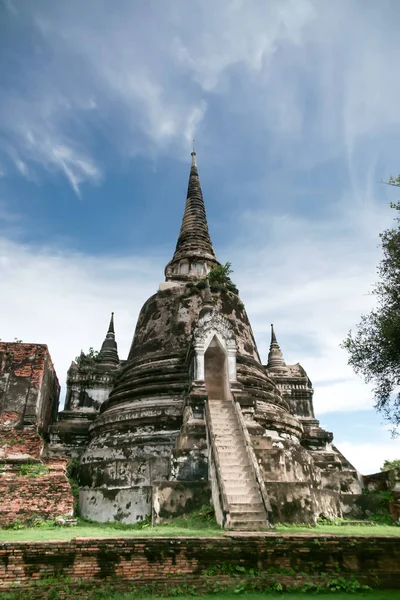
column 28, row 383
column 18, row 442
column 166, row 563
column 29, row 393
column 42, row 496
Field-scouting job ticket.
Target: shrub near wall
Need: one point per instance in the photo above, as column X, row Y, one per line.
column 201, row 564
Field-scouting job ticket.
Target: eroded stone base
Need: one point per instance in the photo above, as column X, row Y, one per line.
column 128, row 505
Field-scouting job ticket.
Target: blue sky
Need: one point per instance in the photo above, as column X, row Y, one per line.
column 294, row 107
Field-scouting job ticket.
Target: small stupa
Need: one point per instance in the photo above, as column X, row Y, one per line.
column 194, row 416
column 90, row 379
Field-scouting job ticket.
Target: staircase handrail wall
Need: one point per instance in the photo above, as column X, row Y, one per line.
column 221, row 484
column 255, row 465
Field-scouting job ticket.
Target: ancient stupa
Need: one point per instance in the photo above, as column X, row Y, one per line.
column 194, row 416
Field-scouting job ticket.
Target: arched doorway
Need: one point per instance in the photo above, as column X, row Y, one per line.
column 216, row 371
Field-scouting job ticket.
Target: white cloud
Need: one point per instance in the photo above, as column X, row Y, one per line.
column 315, row 77
column 35, row 137
column 76, row 168
column 312, row 278
column 369, row 457
column 64, row 300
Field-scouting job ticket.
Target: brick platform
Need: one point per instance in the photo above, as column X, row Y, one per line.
column 201, row 563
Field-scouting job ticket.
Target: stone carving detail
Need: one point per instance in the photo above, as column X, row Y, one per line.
column 211, row 325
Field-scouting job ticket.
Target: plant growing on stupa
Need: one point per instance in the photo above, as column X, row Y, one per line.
column 219, row 278
column 87, row 358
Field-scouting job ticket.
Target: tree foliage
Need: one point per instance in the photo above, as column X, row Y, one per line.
column 219, row 276
column 391, row 464
column 374, row 349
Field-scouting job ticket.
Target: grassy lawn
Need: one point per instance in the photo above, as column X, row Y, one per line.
column 193, row 526
column 185, row 526
column 372, row 530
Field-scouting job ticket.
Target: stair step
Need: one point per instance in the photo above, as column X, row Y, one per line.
column 237, row 469
column 242, row 490
column 249, row 525
column 237, row 458
column 227, row 445
column 224, row 430
column 234, row 478
column 239, row 508
column 226, row 414
column 243, row 495
column 228, row 461
column 247, row 499
column 248, row 515
column 233, row 452
column 244, row 519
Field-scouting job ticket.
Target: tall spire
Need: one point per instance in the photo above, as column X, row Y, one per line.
column 194, row 255
column 276, row 362
column 109, row 351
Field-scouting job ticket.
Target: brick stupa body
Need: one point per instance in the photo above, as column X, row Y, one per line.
column 194, row 416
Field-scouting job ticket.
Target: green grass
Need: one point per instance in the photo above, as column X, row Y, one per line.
column 371, row 530
column 197, row 525
column 193, row 526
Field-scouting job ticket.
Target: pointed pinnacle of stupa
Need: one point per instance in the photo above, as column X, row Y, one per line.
column 276, row 362
column 109, row 350
column 194, row 242
column 111, row 325
column 194, row 237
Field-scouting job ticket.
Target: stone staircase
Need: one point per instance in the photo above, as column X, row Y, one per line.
column 245, row 504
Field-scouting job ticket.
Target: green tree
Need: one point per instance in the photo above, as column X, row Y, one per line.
column 374, row 349
column 391, row 464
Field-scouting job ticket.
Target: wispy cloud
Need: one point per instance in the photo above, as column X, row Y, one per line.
column 146, row 77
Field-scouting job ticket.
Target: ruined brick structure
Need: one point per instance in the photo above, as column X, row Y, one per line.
column 31, row 485
column 28, row 384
